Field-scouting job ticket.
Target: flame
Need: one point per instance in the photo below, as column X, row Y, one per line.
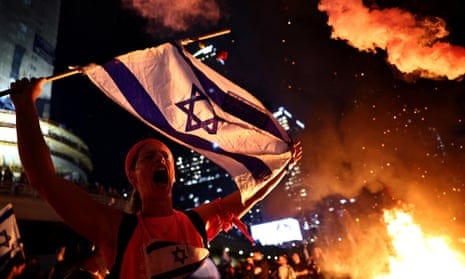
column 412, row 44
column 416, row 255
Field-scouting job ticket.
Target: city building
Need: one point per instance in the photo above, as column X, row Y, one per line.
column 293, row 183
column 199, row 181
column 28, row 37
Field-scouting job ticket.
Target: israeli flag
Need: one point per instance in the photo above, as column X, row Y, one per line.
column 182, row 98
column 10, row 239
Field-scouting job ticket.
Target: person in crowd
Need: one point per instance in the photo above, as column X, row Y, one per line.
column 60, row 266
column 248, row 268
column 301, row 269
column 88, row 264
column 261, row 265
column 155, row 239
column 14, row 267
column 7, row 177
column 285, row 270
column 1, row 176
column 33, row 269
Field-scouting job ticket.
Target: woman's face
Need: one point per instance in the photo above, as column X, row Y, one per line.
column 154, row 170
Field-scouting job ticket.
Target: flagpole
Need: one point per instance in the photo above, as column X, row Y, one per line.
column 79, row 70
column 204, row 37
column 72, row 71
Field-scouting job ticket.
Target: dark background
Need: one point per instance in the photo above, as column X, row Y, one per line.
column 367, row 124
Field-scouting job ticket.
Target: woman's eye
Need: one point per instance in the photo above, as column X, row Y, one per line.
column 148, row 156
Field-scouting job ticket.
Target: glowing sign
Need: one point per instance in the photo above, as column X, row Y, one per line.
column 277, row 232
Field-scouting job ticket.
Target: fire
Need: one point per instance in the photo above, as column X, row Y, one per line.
column 416, row 255
column 412, row 44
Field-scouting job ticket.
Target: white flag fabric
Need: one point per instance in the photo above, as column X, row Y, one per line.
column 10, row 239
column 184, row 99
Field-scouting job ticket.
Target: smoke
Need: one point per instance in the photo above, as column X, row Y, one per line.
column 413, row 45
column 385, row 152
column 175, row 16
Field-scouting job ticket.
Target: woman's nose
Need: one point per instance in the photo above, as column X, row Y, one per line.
column 160, row 158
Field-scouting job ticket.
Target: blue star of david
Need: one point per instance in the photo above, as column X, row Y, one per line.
column 179, row 255
column 6, row 242
column 193, row 122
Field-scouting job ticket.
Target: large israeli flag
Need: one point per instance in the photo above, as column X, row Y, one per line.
column 182, row 98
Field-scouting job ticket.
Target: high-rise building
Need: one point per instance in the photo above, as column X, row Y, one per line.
column 199, row 181
column 287, row 198
column 28, row 37
column 293, row 183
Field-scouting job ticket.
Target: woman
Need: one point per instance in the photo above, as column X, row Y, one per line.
column 161, row 241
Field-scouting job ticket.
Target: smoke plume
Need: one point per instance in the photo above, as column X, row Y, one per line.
column 175, row 16
column 413, row 45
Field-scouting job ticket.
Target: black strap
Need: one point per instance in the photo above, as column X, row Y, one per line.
column 198, row 224
column 126, row 228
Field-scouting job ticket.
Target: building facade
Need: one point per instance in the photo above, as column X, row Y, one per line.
column 28, row 37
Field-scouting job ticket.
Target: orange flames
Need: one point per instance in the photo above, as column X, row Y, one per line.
column 412, row 44
column 416, row 255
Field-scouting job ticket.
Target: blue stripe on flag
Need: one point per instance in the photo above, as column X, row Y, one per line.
column 234, row 106
column 6, row 215
column 140, row 100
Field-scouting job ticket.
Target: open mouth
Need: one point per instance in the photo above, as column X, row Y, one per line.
column 160, row 176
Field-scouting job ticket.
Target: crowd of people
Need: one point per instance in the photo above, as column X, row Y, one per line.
column 17, row 184
column 10, row 182
column 84, row 261
column 292, row 265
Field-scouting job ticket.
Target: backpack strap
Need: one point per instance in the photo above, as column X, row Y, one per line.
column 198, row 224
column 126, row 228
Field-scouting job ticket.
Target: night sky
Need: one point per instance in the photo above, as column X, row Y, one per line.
column 380, row 89
column 373, row 121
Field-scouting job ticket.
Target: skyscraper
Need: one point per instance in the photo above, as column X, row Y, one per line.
column 199, row 180
column 288, row 198
column 28, row 37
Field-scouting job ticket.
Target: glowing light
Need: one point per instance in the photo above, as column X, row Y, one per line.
column 413, row 251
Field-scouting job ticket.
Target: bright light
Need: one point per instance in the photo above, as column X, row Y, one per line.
column 417, row 255
column 277, row 232
column 206, row 50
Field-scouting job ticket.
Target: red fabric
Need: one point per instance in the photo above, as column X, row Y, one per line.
column 224, row 222
column 162, row 228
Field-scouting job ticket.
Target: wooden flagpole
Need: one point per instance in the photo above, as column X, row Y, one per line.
column 204, row 37
column 80, row 70
column 73, row 71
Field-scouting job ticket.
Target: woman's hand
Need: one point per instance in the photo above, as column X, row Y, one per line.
column 26, row 89
column 296, row 152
